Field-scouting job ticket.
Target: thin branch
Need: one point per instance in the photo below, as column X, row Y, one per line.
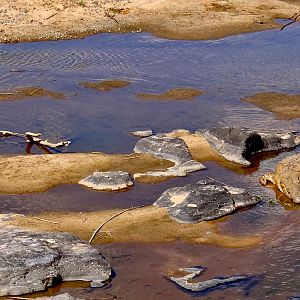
column 111, row 218
column 107, row 14
column 294, row 20
column 52, row 16
column 216, row 180
column 44, row 220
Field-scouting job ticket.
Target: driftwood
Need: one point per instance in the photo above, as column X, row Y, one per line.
column 112, row 217
column 34, row 139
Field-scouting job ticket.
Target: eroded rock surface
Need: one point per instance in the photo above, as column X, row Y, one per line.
column 173, row 149
column 200, row 286
column 203, row 201
column 107, row 181
column 32, row 261
column 286, row 177
column 237, row 144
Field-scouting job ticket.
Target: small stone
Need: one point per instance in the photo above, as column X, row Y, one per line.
column 142, row 133
column 107, row 181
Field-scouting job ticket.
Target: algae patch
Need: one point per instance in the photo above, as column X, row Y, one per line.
column 106, row 85
column 284, row 106
column 173, row 94
column 29, row 92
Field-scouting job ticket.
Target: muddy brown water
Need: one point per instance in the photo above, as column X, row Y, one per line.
column 226, row 70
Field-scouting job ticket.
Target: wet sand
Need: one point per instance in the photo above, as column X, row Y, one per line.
column 22, row 21
column 148, row 224
column 37, row 173
column 284, row 106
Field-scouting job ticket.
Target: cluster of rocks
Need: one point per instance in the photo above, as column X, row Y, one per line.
column 33, row 261
column 235, row 144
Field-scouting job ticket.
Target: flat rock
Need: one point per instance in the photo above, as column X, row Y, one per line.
column 107, row 181
column 203, row 201
column 237, row 144
column 32, row 261
column 142, row 133
column 286, row 177
column 200, row 286
column 173, row 149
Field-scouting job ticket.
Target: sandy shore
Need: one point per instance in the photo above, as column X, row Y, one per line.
column 22, row 20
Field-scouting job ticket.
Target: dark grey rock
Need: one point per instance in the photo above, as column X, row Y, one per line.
column 173, row 149
column 204, row 200
column 32, row 261
column 107, row 181
column 186, row 283
column 142, row 133
column 237, row 144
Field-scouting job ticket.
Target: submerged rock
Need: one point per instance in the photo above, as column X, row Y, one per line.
column 200, row 286
column 107, row 181
column 32, row 261
column 64, row 296
column 173, row 149
column 203, row 201
column 142, row 133
column 238, row 144
column 286, row 177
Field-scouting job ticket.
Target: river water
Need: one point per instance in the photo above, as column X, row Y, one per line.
column 225, row 70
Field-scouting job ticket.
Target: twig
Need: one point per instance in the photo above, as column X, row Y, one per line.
column 51, row 16
column 107, row 14
column 44, row 220
column 293, row 18
column 112, row 217
column 35, row 90
column 216, row 180
column 18, row 298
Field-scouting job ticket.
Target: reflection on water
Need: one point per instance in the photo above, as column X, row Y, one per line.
column 226, row 70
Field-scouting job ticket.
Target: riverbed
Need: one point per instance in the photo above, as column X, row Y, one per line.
column 225, row 70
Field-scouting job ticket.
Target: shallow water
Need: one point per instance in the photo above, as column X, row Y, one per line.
column 226, row 70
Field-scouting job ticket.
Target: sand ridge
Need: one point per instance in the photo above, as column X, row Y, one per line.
column 22, row 20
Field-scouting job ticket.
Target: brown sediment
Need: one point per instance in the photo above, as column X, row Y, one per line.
column 106, row 85
column 147, row 224
column 210, row 19
column 173, row 94
column 284, row 106
column 37, row 173
column 29, row 92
